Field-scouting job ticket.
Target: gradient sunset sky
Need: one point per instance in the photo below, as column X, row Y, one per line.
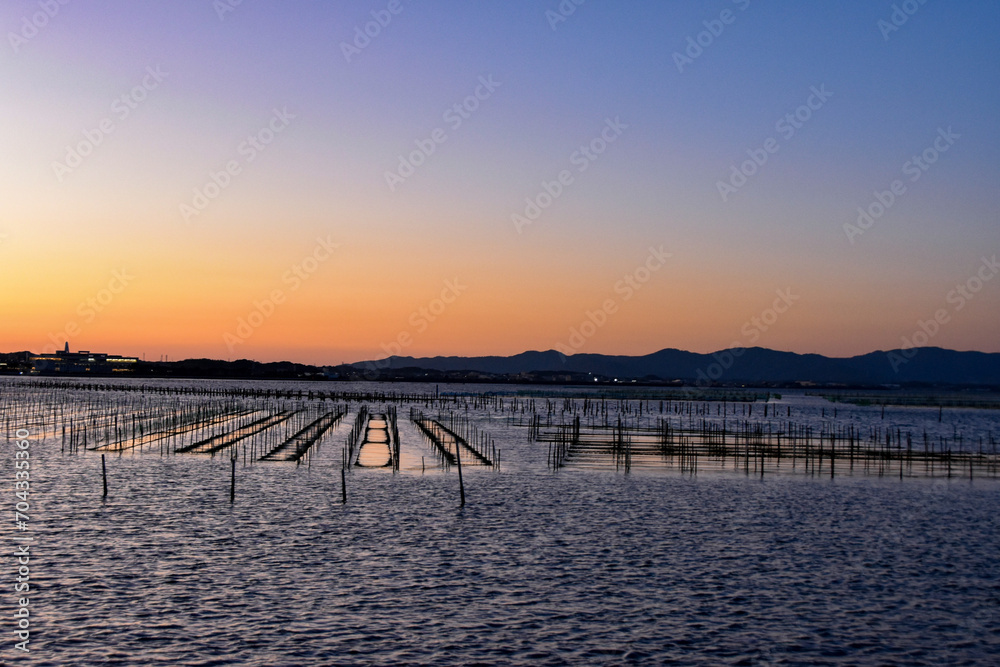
column 116, row 114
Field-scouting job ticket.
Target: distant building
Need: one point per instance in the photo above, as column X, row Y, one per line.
column 15, row 362
column 64, row 361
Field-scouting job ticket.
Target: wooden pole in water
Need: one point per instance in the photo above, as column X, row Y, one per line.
column 461, row 485
column 232, row 485
column 343, row 485
column 104, row 474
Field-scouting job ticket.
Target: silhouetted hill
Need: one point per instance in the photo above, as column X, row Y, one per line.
column 217, row 368
column 740, row 365
column 750, row 366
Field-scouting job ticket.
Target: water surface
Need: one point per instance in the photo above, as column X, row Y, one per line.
column 539, row 567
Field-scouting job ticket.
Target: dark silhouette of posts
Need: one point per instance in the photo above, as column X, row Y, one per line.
column 461, row 485
column 104, row 474
column 232, row 485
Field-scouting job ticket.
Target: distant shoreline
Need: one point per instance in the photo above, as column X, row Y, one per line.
column 931, row 368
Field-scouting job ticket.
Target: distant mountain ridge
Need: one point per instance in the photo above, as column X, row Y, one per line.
column 930, row 365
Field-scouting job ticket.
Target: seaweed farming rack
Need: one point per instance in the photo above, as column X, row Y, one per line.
column 458, row 434
column 758, row 448
column 725, row 431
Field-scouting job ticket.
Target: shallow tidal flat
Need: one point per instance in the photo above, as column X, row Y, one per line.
column 685, row 554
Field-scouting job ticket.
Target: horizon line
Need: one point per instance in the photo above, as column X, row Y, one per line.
column 551, row 350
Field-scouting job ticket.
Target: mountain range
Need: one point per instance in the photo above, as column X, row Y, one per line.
column 928, row 365
column 736, row 366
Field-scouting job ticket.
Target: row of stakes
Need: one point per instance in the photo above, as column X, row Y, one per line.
column 362, row 416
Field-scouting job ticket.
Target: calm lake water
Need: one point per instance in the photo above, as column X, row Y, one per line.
column 540, row 567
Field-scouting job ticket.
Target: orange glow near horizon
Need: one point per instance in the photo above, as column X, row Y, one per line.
column 351, row 307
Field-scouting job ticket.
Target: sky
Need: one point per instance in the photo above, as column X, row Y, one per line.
column 328, row 182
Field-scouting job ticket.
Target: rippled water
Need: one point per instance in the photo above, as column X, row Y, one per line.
column 576, row 566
